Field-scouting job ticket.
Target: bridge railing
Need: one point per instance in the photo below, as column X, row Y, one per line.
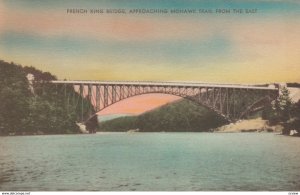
column 168, row 83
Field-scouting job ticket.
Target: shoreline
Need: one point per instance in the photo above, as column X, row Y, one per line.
column 38, row 134
column 250, row 125
column 124, row 132
column 257, row 125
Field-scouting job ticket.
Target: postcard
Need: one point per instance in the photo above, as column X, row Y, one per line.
column 137, row 95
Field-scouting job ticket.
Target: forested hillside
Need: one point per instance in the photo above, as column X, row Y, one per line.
column 38, row 109
column 182, row 115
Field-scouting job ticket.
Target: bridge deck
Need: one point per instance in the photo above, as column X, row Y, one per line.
column 164, row 84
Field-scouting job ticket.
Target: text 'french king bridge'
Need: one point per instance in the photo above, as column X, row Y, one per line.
column 231, row 101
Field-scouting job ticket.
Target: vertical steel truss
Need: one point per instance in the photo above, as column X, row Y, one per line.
column 222, row 100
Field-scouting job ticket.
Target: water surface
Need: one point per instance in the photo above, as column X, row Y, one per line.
column 150, row 161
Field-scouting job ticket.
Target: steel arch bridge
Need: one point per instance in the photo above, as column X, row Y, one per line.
column 231, row 101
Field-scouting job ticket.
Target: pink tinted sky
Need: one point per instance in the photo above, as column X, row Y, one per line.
column 138, row 104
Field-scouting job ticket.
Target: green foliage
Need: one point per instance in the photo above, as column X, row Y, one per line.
column 283, row 111
column 180, row 116
column 282, row 105
column 119, row 124
column 14, row 98
column 295, row 111
column 270, row 115
column 45, row 110
column 39, row 75
column 280, row 109
column 294, row 122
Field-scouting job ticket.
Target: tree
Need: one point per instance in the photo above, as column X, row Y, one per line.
column 294, row 123
column 282, row 106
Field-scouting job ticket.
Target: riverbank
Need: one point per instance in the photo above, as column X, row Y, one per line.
column 82, row 130
column 39, row 133
column 251, row 125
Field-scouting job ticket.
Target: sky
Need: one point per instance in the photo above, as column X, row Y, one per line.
column 259, row 47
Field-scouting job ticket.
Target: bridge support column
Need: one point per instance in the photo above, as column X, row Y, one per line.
column 113, row 94
column 227, row 103
column 221, row 101
column 213, row 98
column 233, row 103
column 82, row 96
column 97, row 98
column 206, row 95
column 105, row 98
column 90, row 98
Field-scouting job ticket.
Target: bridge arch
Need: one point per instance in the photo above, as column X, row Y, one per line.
column 181, row 96
column 232, row 102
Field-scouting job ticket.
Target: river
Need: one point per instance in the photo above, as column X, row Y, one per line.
column 150, row 162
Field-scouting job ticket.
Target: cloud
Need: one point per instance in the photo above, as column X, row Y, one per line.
column 206, row 48
column 125, row 28
column 103, row 27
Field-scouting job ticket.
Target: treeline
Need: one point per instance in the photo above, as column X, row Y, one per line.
column 181, row 116
column 37, row 108
column 293, row 85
